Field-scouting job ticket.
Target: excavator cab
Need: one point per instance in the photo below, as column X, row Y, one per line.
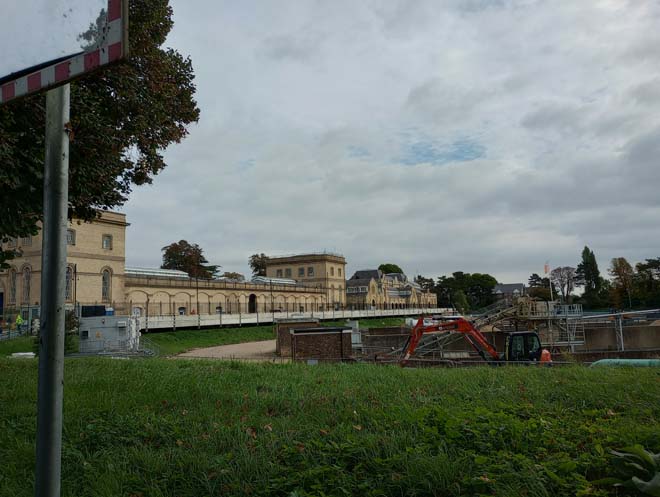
column 523, row 346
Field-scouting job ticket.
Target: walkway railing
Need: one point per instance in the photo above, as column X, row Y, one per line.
column 215, row 320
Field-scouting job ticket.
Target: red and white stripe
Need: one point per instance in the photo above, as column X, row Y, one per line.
column 111, row 50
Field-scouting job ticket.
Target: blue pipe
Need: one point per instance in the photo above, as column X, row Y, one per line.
column 628, row 362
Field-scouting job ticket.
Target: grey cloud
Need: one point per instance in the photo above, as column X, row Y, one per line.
column 566, row 118
column 560, row 94
column 300, row 48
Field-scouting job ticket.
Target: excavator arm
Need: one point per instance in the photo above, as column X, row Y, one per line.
column 460, row 325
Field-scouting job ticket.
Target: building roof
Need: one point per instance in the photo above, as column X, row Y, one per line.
column 155, row 273
column 509, row 288
column 355, row 282
column 274, row 281
column 367, row 274
column 308, row 257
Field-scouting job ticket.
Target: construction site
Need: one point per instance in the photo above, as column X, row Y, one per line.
column 519, row 330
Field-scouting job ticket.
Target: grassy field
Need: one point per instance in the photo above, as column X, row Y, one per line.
column 175, row 342
column 199, row 428
column 20, row 344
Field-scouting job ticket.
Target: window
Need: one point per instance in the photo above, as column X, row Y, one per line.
column 26, row 285
column 26, row 241
column 68, row 293
column 301, row 271
column 70, row 237
column 106, row 278
column 106, row 242
column 12, row 286
column 339, row 271
column 287, row 272
column 332, row 271
column 279, row 273
column 310, row 271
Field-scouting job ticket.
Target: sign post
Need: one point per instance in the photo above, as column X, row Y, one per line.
column 53, row 281
column 82, row 36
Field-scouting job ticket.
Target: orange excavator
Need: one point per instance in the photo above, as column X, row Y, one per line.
column 521, row 346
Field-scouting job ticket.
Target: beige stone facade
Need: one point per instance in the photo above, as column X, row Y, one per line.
column 165, row 295
column 95, row 264
column 97, row 274
column 372, row 289
column 324, row 271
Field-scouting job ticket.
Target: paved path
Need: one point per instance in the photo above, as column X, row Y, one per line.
column 250, row 351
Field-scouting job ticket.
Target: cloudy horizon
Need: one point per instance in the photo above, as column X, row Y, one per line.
column 472, row 135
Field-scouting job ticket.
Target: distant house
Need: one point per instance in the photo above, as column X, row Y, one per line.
column 371, row 288
column 509, row 290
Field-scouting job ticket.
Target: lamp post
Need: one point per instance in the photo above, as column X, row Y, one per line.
column 272, row 309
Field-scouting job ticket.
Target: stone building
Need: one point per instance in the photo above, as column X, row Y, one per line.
column 323, row 270
column 97, row 274
column 372, row 288
column 95, row 264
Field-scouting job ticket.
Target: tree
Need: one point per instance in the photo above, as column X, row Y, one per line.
column 233, row 276
column 564, row 279
column 388, row 268
column 122, row 119
column 477, row 288
column 623, row 276
column 183, row 256
column 648, row 281
column 540, row 287
column 535, row 281
column 587, row 273
column 460, row 301
column 257, row 263
column 426, row 283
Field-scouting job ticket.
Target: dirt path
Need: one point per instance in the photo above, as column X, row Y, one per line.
column 250, row 351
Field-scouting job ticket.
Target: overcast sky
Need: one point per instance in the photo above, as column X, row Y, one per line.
column 473, row 135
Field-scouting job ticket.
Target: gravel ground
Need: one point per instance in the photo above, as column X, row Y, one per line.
column 250, row 351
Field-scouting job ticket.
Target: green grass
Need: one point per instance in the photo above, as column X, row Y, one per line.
column 176, row 342
column 20, row 344
column 155, row 428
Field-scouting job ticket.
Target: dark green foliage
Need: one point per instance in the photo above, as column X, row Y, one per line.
column 426, row 283
column 257, row 263
column 540, row 287
column 460, row 301
column 588, row 276
column 587, row 273
column 477, row 288
column 122, row 118
column 647, row 283
column 169, row 428
column 388, row 268
column 189, row 258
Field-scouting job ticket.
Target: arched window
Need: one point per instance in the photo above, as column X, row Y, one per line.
column 68, row 290
column 27, row 273
column 12, row 286
column 106, row 281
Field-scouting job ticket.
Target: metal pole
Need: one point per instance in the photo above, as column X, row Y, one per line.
column 53, row 283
